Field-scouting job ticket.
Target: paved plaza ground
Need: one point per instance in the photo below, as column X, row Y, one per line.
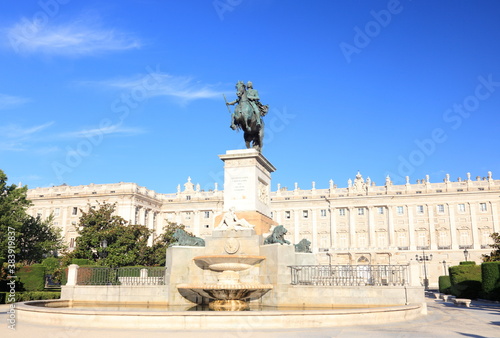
column 482, row 319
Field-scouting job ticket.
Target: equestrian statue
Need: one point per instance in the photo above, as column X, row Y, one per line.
column 248, row 115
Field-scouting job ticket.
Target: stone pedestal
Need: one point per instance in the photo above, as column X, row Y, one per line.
column 247, row 186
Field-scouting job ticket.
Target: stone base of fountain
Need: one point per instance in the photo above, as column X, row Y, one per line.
column 228, row 305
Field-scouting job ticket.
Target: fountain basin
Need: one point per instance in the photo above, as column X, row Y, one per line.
column 238, row 291
column 227, row 262
column 96, row 317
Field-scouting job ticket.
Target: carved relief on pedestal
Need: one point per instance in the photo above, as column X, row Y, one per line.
column 263, row 192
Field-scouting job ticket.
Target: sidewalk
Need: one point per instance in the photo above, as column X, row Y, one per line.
column 482, row 319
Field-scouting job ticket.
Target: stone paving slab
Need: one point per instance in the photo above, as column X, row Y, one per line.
column 445, row 319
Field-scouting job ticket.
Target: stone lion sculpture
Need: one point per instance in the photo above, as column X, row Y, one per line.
column 277, row 236
column 182, row 238
column 303, row 246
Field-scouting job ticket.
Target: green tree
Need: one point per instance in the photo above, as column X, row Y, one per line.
column 494, row 256
column 108, row 240
column 34, row 238
column 156, row 255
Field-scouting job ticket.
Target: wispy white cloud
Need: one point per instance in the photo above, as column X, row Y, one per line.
column 73, row 39
column 14, row 131
column 15, row 138
column 156, row 83
column 10, row 101
column 113, row 129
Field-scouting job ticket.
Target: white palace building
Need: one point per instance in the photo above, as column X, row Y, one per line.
column 435, row 224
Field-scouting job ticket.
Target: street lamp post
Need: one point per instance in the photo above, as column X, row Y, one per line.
column 423, row 259
column 466, row 254
column 104, row 245
column 444, row 268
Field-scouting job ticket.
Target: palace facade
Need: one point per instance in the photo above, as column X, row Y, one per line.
column 434, row 224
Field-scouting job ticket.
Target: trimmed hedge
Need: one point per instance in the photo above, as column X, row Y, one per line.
column 468, row 263
column 490, row 273
column 32, row 278
column 465, row 281
column 444, row 284
column 82, row 261
column 33, row 295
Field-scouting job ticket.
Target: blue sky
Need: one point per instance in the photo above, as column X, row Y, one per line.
column 111, row 91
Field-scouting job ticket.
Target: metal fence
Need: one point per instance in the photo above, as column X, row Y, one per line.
column 349, row 275
column 121, row 276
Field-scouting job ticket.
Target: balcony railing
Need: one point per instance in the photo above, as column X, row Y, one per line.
column 349, row 275
column 121, row 276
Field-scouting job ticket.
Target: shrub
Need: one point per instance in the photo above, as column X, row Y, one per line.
column 444, row 284
column 82, row 261
column 51, row 264
column 31, row 295
column 490, row 272
column 32, row 278
column 468, row 263
column 465, row 281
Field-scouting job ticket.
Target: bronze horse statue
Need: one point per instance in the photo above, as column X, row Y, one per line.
column 247, row 117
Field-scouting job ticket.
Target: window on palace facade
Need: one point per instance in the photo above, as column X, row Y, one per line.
column 343, row 240
column 382, row 239
column 402, row 241
column 207, row 214
column 420, row 209
column 57, row 212
column 323, row 212
column 422, row 238
column 75, row 211
column 305, row 213
column 361, row 211
column 400, row 210
column 342, row 212
column 444, row 238
column 188, row 214
column 380, row 210
column 72, row 243
column 287, row 214
column 485, row 239
column 440, row 208
column 362, row 240
column 461, row 207
column 483, row 207
column 188, row 198
column 464, row 237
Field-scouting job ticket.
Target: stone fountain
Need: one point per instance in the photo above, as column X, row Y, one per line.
column 229, row 293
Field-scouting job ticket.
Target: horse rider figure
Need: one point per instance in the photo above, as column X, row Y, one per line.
column 253, row 97
column 258, row 108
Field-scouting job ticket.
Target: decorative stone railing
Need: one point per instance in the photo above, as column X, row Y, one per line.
column 349, row 275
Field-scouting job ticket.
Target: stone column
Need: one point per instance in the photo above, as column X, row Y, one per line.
column 296, row 225
column 494, row 215
column 72, row 275
column 453, row 228
column 352, row 227
column 314, row 239
column 390, row 224
column 411, row 227
column 372, row 241
column 476, row 242
column 432, row 227
column 333, row 227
